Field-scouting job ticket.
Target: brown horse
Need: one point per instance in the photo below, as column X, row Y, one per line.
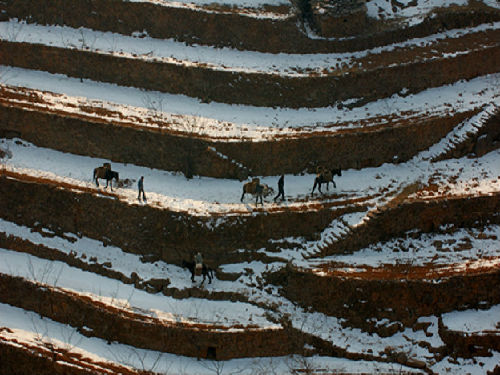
column 257, row 189
column 325, row 176
column 106, row 173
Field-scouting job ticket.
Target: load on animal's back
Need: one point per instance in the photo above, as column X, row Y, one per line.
column 206, row 271
column 325, row 176
column 105, row 172
column 257, row 189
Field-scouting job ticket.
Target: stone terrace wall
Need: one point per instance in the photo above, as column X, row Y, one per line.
column 230, row 29
column 151, row 231
column 426, row 216
column 469, row 345
column 159, row 149
column 399, row 300
column 486, row 140
column 250, row 88
column 17, row 360
column 115, row 325
column 395, row 142
column 91, row 137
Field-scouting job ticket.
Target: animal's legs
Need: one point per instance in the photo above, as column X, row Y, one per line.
column 209, row 274
column 257, row 196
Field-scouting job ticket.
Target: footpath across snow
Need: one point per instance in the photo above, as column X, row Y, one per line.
column 205, row 196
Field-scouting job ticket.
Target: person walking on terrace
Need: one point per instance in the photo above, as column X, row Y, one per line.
column 281, row 188
column 140, row 185
column 198, row 263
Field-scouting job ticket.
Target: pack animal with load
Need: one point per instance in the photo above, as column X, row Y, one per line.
column 105, row 173
column 257, row 189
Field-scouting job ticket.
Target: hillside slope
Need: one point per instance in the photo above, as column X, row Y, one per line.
column 391, row 268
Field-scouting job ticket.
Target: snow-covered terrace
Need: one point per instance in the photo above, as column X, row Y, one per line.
column 261, row 9
column 208, row 196
column 414, row 12
column 142, row 47
column 55, row 274
column 353, row 340
column 430, row 256
column 179, row 113
column 30, row 330
column 328, row 328
column 474, row 321
column 205, row 196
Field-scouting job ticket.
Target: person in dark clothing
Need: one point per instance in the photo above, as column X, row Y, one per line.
column 140, row 185
column 281, row 188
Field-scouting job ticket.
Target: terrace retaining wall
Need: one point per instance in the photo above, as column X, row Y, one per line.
column 95, row 319
column 17, row 360
column 469, row 345
column 424, row 215
column 173, row 236
column 192, row 156
column 486, row 140
column 146, row 230
column 403, row 300
column 228, row 28
column 253, row 88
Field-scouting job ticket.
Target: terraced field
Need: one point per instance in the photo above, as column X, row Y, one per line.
column 395, row 269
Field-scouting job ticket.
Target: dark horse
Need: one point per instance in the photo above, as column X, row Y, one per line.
column 325, row 176
column 107, row 174
column 205, row 270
